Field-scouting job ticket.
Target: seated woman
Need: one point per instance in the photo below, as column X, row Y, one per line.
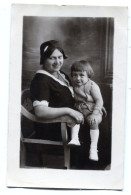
column 51, row 91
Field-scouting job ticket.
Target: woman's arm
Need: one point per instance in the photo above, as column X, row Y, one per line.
column 46, row 112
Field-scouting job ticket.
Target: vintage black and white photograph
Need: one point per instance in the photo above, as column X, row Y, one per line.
column 70, row 76
column 67, row 71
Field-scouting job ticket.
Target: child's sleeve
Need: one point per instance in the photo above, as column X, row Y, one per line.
column 96, row 94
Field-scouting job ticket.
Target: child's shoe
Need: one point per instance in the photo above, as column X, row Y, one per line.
column 93, row 154
column 74, row 142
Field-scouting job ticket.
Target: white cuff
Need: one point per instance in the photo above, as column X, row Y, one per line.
column 40, row 103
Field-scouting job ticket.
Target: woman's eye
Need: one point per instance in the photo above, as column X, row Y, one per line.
column 51, row 58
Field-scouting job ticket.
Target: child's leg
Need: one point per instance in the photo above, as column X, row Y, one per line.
column 94, row 135
column 74, row 136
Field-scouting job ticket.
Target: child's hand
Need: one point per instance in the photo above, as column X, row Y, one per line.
column 92, row 119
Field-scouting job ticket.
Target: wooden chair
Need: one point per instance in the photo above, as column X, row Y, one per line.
column 26, row 109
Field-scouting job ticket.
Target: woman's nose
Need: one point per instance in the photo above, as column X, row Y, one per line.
column 57, row 61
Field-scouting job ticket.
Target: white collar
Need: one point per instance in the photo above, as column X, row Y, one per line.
column 60, row 82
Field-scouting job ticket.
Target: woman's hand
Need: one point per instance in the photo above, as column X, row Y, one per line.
column 76, row 115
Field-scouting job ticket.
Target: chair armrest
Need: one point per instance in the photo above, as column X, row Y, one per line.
column 32, row 117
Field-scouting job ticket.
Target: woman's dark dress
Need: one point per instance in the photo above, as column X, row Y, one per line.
column 45, row 86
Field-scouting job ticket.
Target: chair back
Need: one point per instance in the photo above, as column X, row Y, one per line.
column 26, row 100
column 27, row 111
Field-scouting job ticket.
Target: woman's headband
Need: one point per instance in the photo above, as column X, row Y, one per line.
column 47, row 48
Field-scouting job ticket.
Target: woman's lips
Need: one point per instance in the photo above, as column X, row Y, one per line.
column 56, row 66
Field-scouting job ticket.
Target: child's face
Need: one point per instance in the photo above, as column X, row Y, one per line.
column 79, row 77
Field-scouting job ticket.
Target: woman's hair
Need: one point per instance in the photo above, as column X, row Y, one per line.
column 82, row 65
column 47, row 48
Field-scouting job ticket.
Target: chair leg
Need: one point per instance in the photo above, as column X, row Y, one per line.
column 67, row 157
column 22, row 154
column 66, row 148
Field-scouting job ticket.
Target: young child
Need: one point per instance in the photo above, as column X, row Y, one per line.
column 88, row 101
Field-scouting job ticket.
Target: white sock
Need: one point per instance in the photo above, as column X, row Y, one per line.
column 75, row 132
column 94, row 135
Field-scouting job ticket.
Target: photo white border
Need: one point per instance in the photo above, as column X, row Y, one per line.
column 79, row 179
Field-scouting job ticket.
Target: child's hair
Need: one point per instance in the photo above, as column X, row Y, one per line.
column 82, row 65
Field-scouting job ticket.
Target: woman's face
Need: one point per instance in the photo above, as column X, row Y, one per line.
column 54, row 62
